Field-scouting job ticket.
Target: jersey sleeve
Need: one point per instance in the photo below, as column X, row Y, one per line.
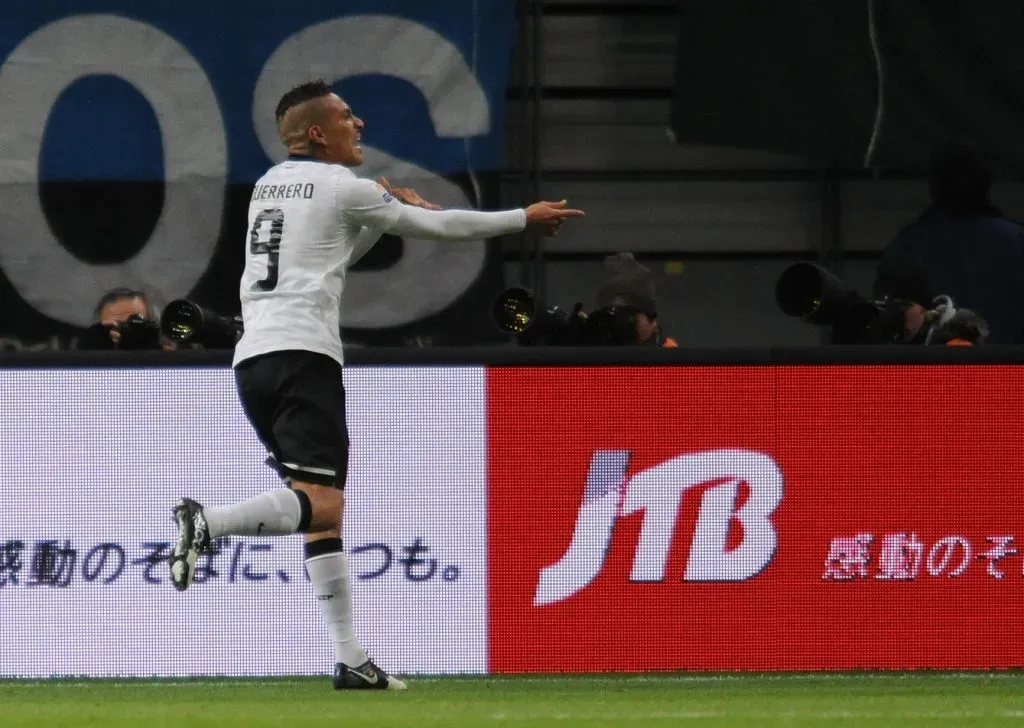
column 366, row 203
column 456, row 225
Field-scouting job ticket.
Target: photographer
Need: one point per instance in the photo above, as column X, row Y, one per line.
column 626, row 313
column 815, row 295
column 124, row 321
column 629, row 286
column 962, row 245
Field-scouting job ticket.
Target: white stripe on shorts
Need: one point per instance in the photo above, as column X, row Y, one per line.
column 317, row 471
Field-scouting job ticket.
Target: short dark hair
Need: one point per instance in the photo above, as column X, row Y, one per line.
column 118, row 294
column 300, row 94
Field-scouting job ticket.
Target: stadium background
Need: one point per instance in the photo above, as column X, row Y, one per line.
column 573, row 100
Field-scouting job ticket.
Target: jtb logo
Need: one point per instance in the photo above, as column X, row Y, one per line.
column 658, row 492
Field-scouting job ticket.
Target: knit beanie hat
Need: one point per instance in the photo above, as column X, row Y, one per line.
column 626, row 283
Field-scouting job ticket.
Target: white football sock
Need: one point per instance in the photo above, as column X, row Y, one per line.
column 276, row 513
column 333, row 589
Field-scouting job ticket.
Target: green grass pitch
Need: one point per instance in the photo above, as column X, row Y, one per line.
column 902, row 700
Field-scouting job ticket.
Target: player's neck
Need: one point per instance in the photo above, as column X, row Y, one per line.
column 305, row 155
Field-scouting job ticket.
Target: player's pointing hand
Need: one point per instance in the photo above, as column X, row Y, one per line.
column 549, row 216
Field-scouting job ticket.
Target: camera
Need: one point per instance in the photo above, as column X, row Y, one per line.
column 138, row 333
column 815, row 295
column 812, row 293
column 517, row 311
column 135, row 333
column 186, row 322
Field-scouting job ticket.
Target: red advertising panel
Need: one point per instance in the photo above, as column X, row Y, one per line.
column 755, row 518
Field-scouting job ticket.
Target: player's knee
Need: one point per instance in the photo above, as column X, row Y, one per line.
column 326, row 504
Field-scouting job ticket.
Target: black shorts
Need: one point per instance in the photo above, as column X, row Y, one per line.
column 295, row 400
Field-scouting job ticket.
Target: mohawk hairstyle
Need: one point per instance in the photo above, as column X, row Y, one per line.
column 300, row 94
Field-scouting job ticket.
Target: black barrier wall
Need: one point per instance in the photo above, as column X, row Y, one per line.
column 549, row 356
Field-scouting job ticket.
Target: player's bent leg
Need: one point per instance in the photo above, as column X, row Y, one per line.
column 297, row 509
column 277, row 513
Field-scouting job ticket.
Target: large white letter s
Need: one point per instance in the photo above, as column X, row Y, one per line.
column 430, row 276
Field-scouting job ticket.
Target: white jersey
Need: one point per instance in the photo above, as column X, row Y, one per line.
column 308, row 222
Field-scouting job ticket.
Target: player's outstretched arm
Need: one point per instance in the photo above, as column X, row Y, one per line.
column 461, row 225
column 368, row 204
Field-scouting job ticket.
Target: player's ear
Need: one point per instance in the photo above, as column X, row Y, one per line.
column 315, row 134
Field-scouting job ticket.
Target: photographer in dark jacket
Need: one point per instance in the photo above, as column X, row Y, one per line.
column 961, row 246
column 124, row 320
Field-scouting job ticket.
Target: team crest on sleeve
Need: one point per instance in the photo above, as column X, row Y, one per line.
column 383, row 192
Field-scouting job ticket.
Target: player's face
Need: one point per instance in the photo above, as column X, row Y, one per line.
column 343, row 134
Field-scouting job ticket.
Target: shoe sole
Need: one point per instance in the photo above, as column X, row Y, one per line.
column 183, row 560
column 392, row 684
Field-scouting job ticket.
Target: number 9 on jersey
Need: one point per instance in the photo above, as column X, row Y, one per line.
column 265, row 239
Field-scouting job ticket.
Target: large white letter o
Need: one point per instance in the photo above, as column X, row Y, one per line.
column 43, row 272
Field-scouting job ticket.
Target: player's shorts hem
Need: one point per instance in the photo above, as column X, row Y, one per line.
column 241, row 357
column 307, row 473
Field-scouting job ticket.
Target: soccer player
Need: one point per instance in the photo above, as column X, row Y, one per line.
column 310, row 219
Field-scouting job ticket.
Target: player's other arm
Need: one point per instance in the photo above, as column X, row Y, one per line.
column 368, row 204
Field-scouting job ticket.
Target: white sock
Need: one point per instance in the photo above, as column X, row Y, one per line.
column 333, row 589
column 276, row 513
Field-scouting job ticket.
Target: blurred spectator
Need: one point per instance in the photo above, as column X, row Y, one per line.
column 961, row 246
column 629, row 285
